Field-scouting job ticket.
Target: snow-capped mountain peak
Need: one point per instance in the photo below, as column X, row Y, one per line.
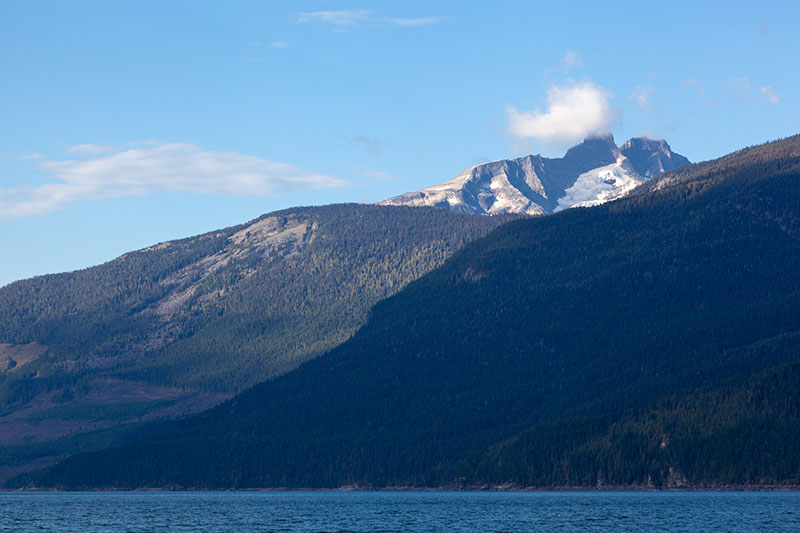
column 590, row 173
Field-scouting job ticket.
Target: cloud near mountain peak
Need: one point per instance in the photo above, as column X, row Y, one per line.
column 573, row 113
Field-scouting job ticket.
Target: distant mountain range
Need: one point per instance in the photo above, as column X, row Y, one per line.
column 648, row 342
column 590, row 173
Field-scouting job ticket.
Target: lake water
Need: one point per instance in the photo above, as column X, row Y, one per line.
column 399, row 511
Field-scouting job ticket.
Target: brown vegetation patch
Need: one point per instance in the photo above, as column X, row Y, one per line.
column 13, row 356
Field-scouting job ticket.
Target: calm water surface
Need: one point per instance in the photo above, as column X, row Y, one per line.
column 400, row 511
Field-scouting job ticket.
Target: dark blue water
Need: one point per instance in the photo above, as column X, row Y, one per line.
column 400, row 511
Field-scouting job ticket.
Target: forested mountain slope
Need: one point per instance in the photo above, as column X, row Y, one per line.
column 650, row 341
column 181, row 325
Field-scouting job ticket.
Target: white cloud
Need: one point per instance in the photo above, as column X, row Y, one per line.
column 255, row 43
column 35, row 155
column 770, row 93
column 344, row 17
column 157, row 166
column 278, row 44
column 573, row 113
column 414, row 22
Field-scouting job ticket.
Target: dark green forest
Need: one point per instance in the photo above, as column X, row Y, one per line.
column 649, row 342
column 201, row 318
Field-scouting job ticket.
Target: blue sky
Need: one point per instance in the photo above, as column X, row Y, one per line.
column 125, row 124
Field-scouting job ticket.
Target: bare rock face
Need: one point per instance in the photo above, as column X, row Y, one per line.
column 590, row 173
column 651, row 157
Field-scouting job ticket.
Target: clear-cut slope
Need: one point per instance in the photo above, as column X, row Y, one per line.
column 590, row 173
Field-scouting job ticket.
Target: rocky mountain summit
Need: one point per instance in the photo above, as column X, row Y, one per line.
column 591, row 173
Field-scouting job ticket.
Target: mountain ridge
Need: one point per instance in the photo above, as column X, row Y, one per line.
column 592, row 172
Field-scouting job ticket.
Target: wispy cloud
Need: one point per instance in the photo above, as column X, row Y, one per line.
column 641, row 96
column 376, row 174
column 154, row 166
column 701, row 93
column 344, row 17
column 741, row 88
column 770, row 93
column 414, row 22
column 372, row 146
column 89, row 149
column 572, row 59
column 35, row 155
column 278, row 44
column 573, row 113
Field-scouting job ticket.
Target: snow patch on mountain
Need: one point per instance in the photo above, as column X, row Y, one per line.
column 601, row 185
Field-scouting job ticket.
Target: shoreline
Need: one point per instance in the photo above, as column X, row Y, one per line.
column 481, row 488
